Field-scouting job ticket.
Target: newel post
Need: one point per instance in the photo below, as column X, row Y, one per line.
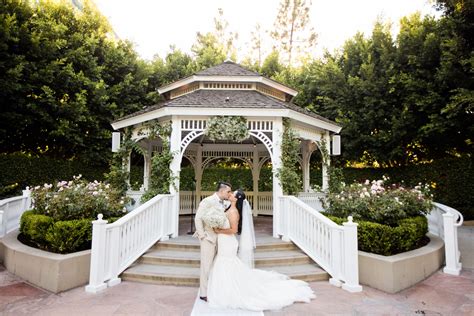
column 453, row 266
column 27, row 201
column 351, row 257
column 97, row 273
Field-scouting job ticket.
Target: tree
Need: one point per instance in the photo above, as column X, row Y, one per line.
column 256, row 43
column 64, row 79
column 292, row 32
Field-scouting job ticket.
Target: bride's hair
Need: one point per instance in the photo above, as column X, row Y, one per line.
column 240, row 195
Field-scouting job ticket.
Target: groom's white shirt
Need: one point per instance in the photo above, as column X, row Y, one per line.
column 203, row 231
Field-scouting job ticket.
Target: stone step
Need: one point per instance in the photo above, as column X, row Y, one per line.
column 189, row 275
column 264, row 243
column 191, row 257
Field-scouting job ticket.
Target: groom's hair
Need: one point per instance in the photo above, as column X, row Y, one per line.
column 223, row 184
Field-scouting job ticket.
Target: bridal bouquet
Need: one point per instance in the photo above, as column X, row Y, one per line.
column 214, row 218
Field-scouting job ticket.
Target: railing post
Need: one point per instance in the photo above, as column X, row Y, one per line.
column 114, row 259
column 164, row 211
column 336, row 254
column 96, row 277
column 27, row 201
column 453, row 266
column 3, row 223
column 285, row 217
column 351, row 257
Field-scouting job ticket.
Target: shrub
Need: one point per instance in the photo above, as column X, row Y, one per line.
column 69, row 236
column 78, row 199
column 35, row 226
column 389, row 240
column 372, row 201
column 43, row 232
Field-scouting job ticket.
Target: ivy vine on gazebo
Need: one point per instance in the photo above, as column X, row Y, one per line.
column 227, row 111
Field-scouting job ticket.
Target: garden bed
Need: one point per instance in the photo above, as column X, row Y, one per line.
column 50, row 271
column 392, row 274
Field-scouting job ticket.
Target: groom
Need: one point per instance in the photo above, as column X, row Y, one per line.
column 206, row 235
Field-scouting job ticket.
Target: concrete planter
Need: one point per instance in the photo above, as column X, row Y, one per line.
column 394, row 273
column 50, row 271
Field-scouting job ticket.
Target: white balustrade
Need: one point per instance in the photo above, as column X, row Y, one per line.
column 265, row 201
column 117, row 245
column 313, row 199
column 443, row 221
column 11, row 210
column 332, row 246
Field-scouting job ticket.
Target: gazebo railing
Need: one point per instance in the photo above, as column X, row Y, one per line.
column 117, row 245
column 11, row 210
column 443, row 221
column 332, row 246
column 313, row 199
column 262, row 204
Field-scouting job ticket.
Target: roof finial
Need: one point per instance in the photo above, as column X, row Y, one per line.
column 228, row 59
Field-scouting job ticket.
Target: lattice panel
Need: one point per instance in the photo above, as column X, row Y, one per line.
column 185, row 90
column 271, row 92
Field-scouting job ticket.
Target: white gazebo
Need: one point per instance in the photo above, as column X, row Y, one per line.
column 229, row 89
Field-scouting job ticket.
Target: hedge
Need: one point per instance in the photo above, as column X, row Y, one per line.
column 41, row 231
column 387, row 240
column 20, row 170
column 452, row 176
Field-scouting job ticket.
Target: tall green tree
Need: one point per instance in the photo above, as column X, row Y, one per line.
column 64, row 78
column 292, row 32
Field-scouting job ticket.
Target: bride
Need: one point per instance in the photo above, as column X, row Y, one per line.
column 235, row 284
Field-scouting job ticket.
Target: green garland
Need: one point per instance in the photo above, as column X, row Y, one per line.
column 288, row 174
column 232, row 128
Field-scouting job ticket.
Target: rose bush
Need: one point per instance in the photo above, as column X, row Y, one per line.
column 62, row 214
column 375, row 202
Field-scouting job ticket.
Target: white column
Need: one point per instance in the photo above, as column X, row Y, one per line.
column 305, row 159
column 175, row 168
column 126, row 165
column 96, row 276
column 255, row 177
column 276, row 164
column 198, row 175
column 147, row 166
column 325, row 166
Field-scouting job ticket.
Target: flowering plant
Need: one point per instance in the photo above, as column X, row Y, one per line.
column 214, row 218
column 78, row 199
column 232, row 128
column 376, row 202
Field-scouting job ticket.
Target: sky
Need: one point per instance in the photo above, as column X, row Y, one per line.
column 154, row 25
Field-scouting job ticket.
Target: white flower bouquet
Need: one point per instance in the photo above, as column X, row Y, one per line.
column 214, row 218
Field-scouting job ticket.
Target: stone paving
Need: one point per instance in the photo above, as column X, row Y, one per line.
column 440, row 294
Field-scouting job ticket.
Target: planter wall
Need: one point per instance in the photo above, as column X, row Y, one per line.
column 394, row 273
column 50, row 271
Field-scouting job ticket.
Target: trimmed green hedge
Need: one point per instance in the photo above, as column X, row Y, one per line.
column 41, row 231
column 386, row 240
column 20, row 170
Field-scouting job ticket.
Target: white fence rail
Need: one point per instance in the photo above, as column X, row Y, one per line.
column 117, row 245
column 11, row 210
column 444, row 221
column 263, row 205
column 332, row 246
column 313, row 199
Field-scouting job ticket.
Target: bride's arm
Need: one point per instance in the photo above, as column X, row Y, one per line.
column 234, row 222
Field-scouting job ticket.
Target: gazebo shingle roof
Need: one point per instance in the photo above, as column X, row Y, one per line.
column 236, row 99
column 227, row 68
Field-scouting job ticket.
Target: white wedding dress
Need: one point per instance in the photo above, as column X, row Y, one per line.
column 232, row 284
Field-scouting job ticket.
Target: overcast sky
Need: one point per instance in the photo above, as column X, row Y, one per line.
column 154, row 25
